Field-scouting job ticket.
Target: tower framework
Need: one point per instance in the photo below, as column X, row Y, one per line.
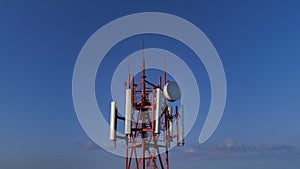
column 149, row 123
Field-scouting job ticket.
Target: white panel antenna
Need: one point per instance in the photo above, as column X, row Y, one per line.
column 181, row 128
column 158, row 110
column 112, row 131
column 128, row 111
column 170, row 123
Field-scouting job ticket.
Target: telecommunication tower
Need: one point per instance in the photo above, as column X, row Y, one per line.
column 149, row 121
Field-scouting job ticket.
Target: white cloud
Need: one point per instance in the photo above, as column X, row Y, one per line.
column 231, row 148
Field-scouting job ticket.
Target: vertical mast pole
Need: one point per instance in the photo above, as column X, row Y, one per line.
column 143, row 74
column 165, row 73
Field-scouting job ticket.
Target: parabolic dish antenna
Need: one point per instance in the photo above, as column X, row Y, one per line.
column 172, row 91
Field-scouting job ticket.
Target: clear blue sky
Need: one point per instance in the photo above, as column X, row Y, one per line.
column 258, row 43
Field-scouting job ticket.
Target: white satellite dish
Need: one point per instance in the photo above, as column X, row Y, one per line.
column 172, row 91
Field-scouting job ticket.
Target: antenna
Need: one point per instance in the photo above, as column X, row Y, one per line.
column 128, row 112
column 128, row 72
column 143, row 47
column 181, row 132
column 143, row 57
column 158, row 110
column 113, row 127
column 143, row 97
column 165, row 73
column 170, row 123
column 165, row 64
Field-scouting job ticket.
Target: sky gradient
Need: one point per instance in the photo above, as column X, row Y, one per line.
column 258, row 44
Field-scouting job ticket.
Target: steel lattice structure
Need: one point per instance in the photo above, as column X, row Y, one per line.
column 149, row 124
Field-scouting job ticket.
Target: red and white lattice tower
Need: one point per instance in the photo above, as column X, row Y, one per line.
column 149, row 122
